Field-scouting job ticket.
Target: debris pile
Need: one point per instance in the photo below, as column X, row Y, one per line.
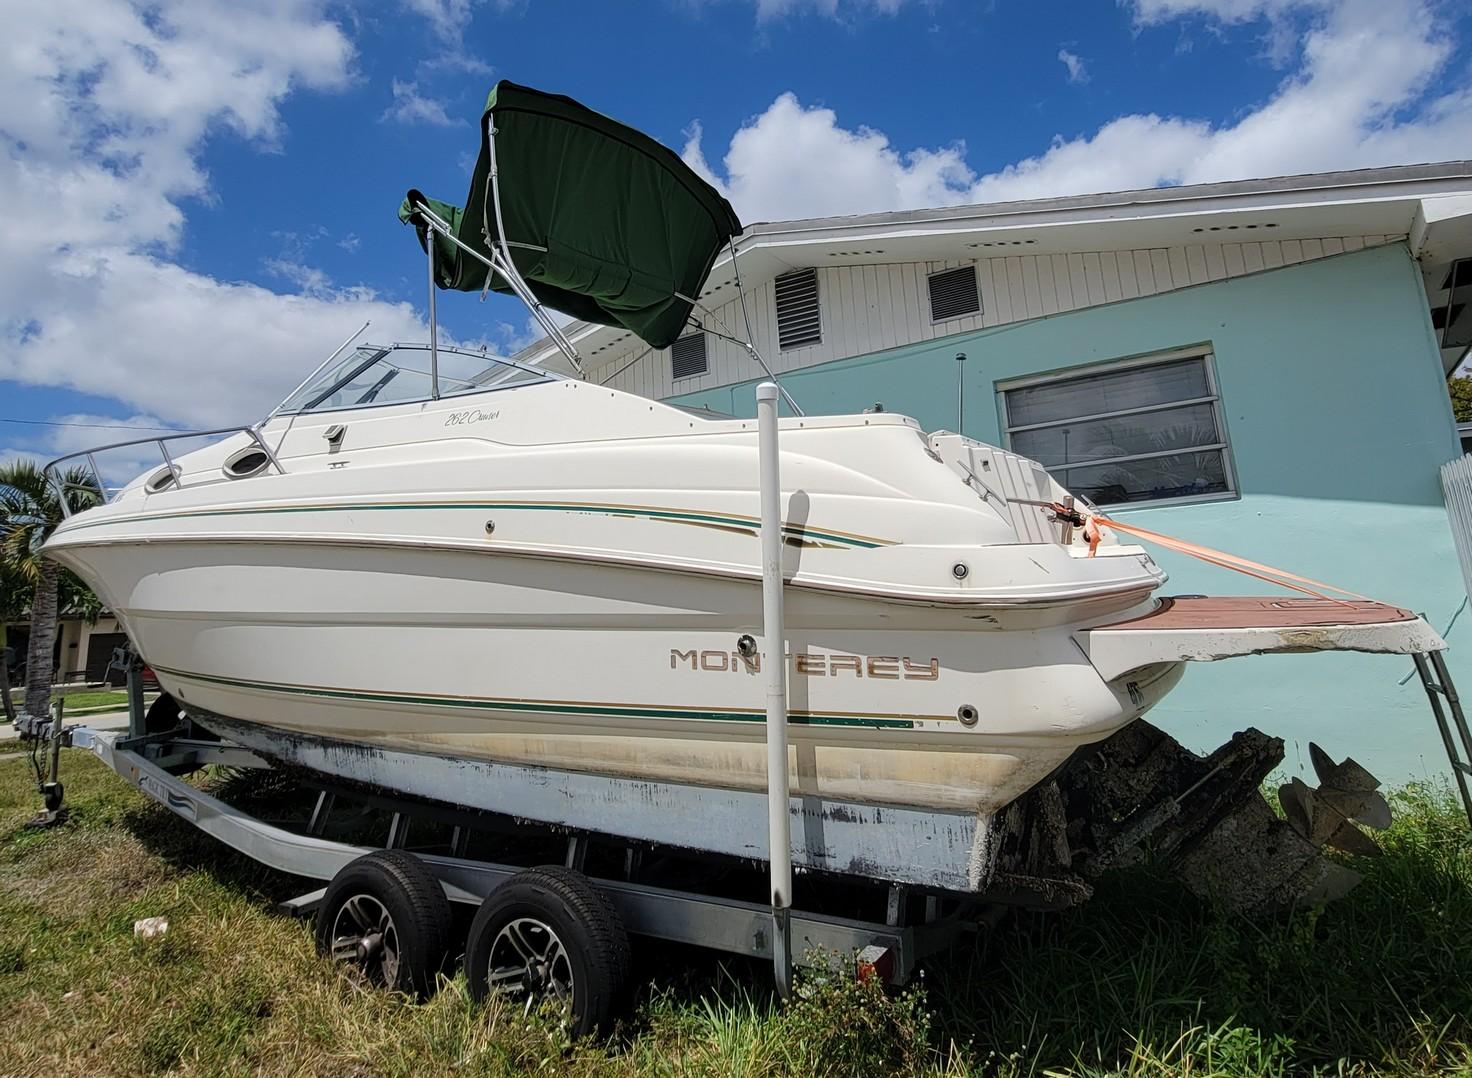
column 1141, row 795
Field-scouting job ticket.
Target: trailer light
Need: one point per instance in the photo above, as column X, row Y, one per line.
column 875, row 962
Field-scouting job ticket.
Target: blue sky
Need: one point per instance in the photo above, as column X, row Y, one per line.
column 231, row 170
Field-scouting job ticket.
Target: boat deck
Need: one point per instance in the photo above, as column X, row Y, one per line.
column 1239, row 612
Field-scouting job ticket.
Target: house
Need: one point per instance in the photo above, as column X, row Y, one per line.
column 83, row 649
column 1257, row 366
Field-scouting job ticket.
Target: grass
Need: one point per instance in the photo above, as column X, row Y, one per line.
column 96, row 698
column 1143, row 980
column 117, row 698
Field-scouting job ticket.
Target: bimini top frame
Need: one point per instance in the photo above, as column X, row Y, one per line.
column 500, row 261
column 561, row 226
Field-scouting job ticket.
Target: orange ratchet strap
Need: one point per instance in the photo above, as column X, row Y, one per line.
column 1093, row 523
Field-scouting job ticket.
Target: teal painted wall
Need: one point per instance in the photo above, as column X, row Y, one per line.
column 1338, row 418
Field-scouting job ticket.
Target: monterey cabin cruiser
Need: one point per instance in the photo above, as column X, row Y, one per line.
column 471, row 581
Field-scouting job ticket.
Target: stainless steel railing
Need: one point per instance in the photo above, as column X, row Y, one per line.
column 56, row 473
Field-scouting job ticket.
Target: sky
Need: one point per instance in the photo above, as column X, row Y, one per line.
column 200, row 195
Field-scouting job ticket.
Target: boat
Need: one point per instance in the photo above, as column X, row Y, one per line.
column 504, row 588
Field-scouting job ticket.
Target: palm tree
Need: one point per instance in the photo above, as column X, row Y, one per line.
column 15, row 600
column 30, row 509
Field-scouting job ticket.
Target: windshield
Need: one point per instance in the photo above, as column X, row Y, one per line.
column 400, row 373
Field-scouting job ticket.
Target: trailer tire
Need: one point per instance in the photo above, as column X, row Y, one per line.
column 560, row 935
column 162, row 715
column 387, row 915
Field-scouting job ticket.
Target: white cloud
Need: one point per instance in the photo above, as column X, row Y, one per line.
column 103, row 112
column 1363, row 94
column 308, row 279
column 1077, row 70
column 187, row 347
column 450, row 19
column 447, row 18
column 1354, row 102
column 410, row 106
column 793, row 161
column 773, row 9
column 1231, row 11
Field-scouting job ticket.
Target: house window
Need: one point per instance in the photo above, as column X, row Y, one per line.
column 1130, row 433
column 799, row 320
column 687, row 356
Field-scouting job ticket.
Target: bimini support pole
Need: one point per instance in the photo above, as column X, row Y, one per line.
column 508, row 268
column 434, row 327
column 497, row 263
column 774, row 638
column 749, row 344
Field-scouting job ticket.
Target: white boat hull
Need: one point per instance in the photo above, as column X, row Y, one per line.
column 626, row 672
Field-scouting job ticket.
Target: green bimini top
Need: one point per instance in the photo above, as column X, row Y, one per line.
column 604, row 223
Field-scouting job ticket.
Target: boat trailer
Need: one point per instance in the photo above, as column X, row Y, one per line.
column 383, row 904
column 912, row 927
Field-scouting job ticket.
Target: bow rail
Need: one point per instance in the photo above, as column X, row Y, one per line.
column 56, row 471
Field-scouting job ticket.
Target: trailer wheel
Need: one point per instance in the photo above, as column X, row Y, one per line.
column 546, row 933
column 386, row 915
column 162, row 714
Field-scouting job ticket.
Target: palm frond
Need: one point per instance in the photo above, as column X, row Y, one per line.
column 30, row 509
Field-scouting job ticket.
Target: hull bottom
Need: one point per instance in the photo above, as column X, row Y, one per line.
column 951, row 851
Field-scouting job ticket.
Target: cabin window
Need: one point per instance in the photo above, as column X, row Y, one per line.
column 799, row 318
column 246, row 462
column 1135, row 432
column 687, row 356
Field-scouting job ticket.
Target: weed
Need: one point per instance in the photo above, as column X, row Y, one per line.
column 1142, row 981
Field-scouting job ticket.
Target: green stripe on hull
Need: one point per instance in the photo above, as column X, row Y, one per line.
column 546, row 708
column 791, row 531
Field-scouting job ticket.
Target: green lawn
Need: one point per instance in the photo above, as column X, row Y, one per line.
column 89, row 698
column 102, row 698
column 1144, row 980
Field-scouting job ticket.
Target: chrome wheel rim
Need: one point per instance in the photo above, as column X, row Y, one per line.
column 528, row 960
column 364, row 935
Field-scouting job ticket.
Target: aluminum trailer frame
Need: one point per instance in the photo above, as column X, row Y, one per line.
column 682, row 916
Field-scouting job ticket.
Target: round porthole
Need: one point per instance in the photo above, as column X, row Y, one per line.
column 162, row 479
column 245, row 463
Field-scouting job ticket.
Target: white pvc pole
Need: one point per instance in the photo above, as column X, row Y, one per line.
column 774, row 639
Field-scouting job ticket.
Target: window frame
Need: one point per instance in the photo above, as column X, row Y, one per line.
column 1204, row 352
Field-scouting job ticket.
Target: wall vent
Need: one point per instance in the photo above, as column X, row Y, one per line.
column 799, row 321
column 953, row 294
column 687, row 356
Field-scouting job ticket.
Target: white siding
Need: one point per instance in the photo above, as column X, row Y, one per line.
column 869, row 308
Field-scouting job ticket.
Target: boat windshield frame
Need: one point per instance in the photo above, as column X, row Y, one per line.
column 307, row 398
